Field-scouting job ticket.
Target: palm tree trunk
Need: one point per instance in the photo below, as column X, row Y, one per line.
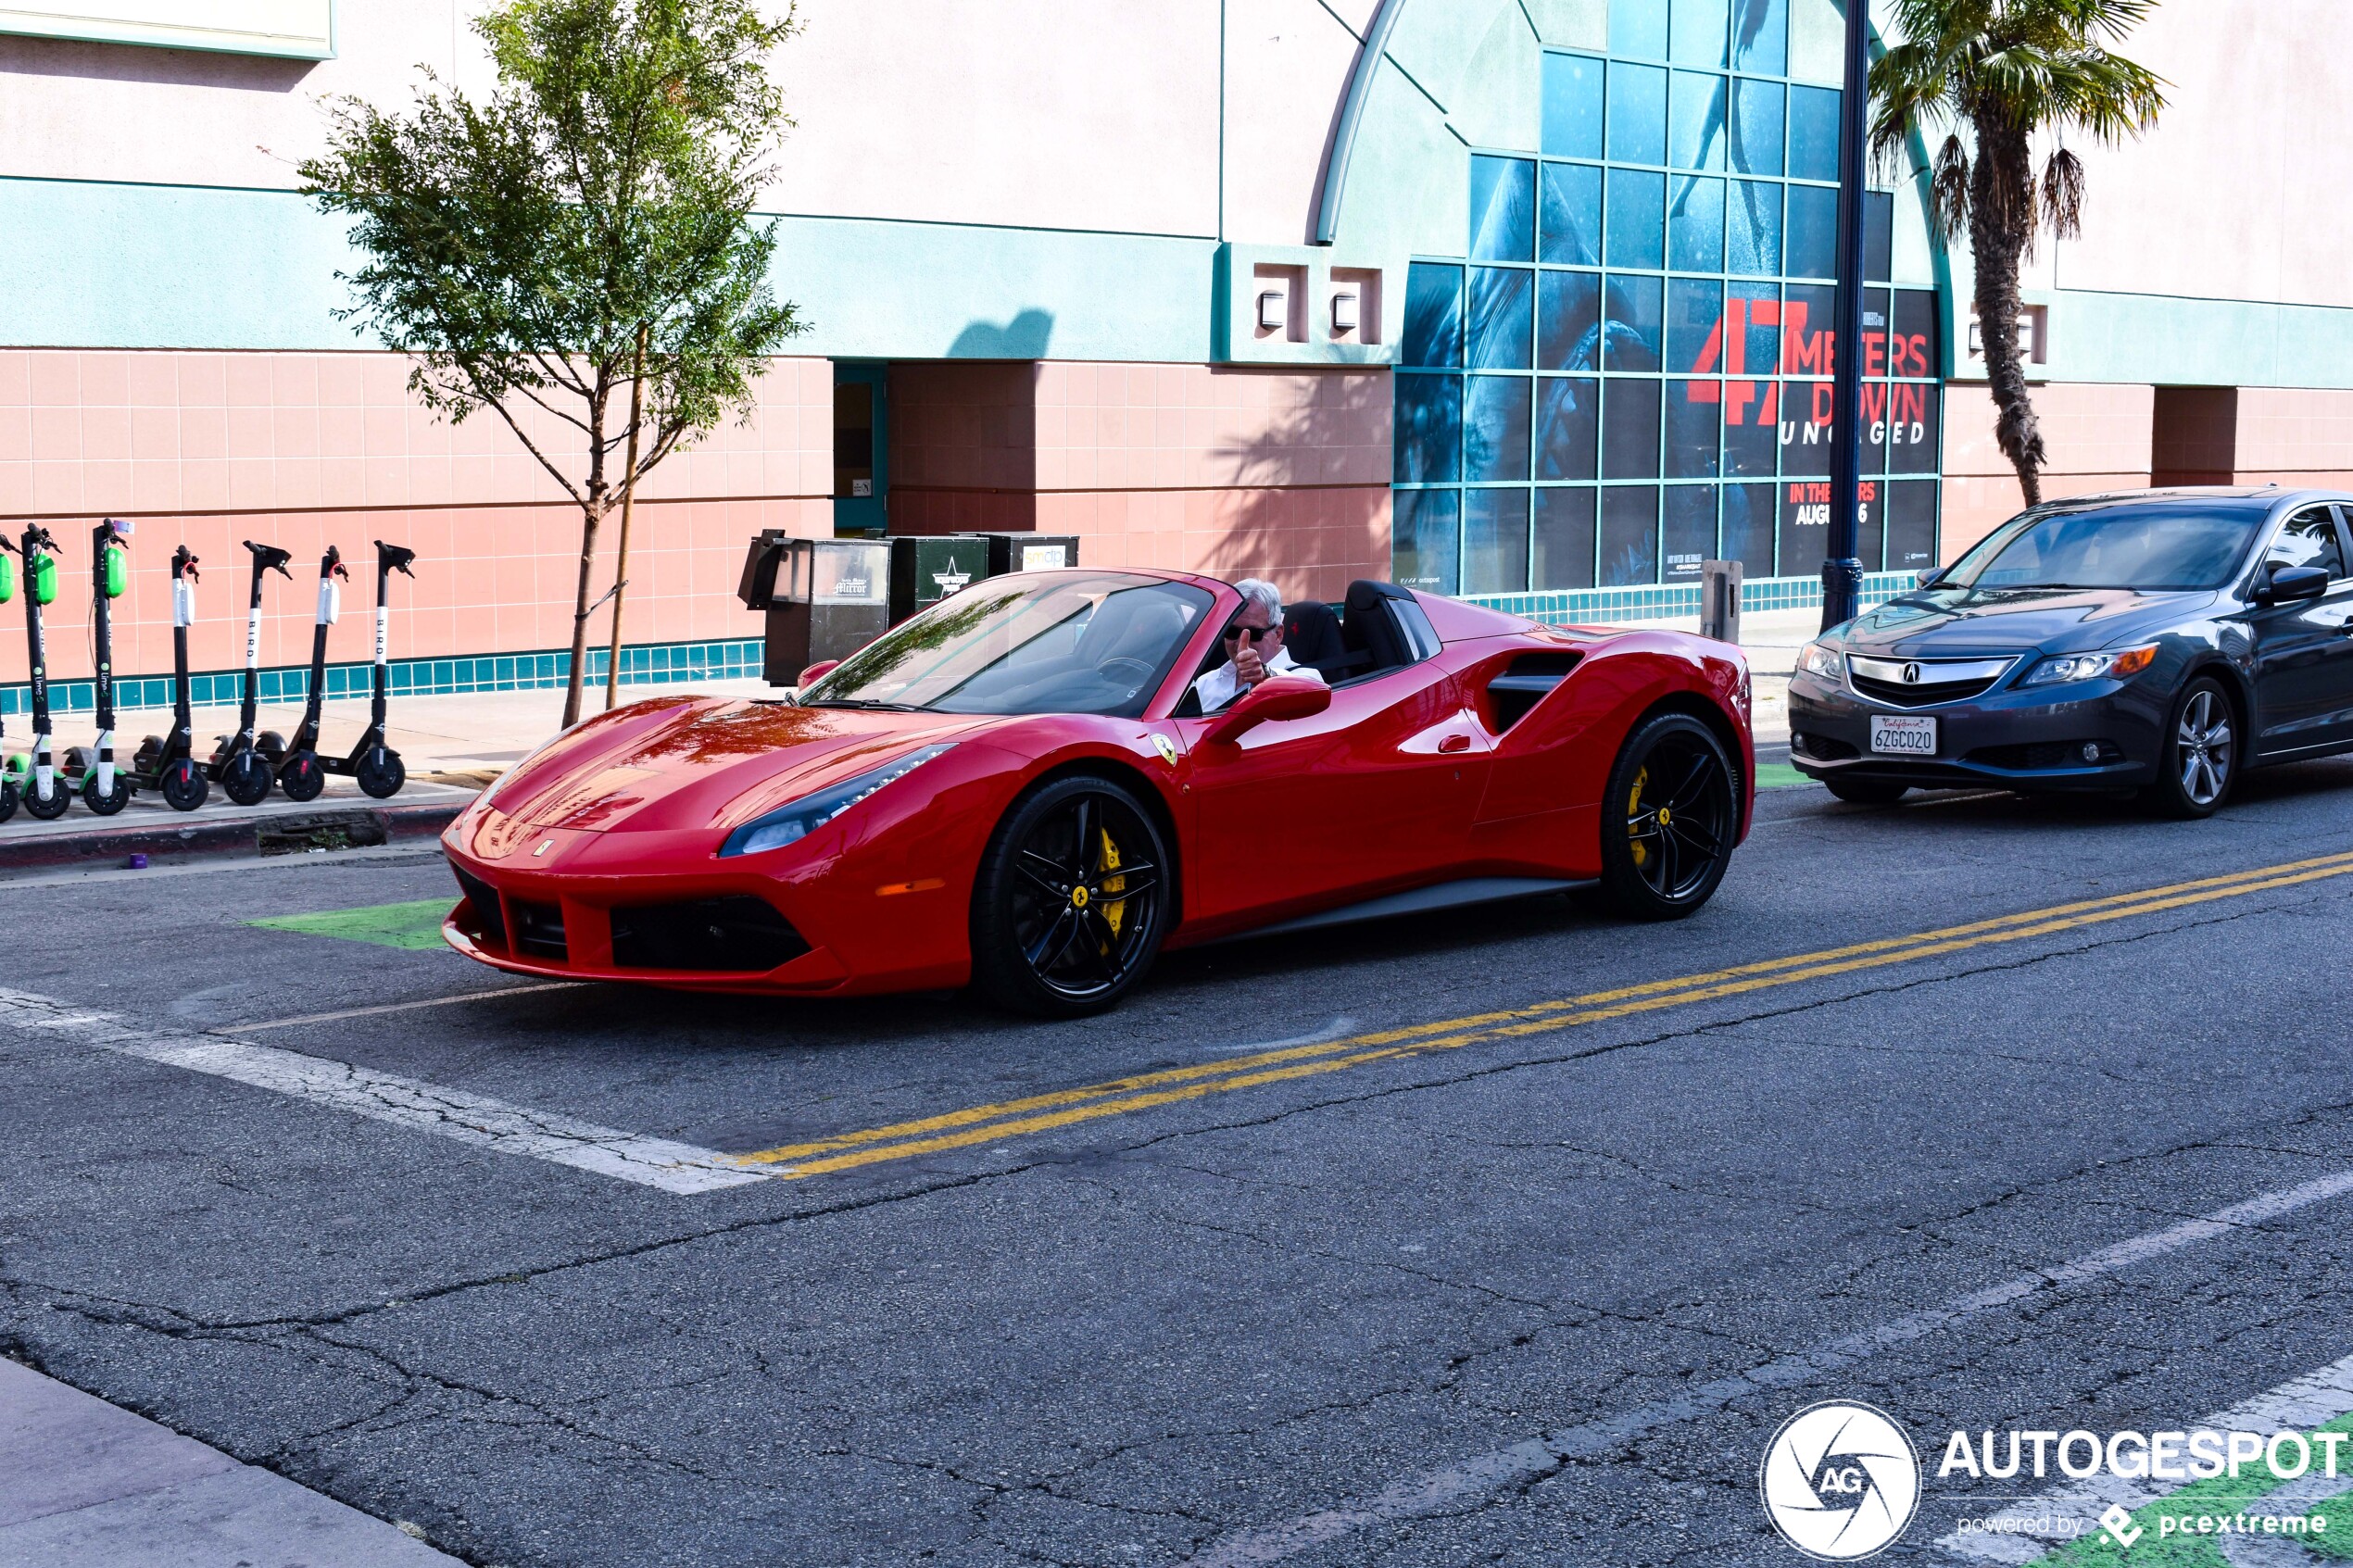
column 2001, row 209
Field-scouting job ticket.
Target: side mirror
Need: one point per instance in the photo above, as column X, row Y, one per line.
column 2288, row 585
column 1282, row 696
column 1927, row 576
column 816, row 673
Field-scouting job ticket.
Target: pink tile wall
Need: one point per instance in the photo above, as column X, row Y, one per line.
column 175, row 432
column 301, row 450
column 2099, row 437
column 2295, row 435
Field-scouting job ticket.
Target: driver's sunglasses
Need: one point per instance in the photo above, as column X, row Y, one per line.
column 1254, row 632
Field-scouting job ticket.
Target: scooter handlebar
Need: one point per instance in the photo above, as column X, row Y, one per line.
column 184, row 563
column 331, row 564
column 395, row 557
column 268, row 558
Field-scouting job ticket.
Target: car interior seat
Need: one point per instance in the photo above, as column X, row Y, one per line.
column 1371, row 628
column 1312, row 636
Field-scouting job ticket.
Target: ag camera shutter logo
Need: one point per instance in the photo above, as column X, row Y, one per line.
column 1840, row 1481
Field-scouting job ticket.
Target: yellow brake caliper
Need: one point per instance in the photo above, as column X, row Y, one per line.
column 1115, row 909
column 1633, row 817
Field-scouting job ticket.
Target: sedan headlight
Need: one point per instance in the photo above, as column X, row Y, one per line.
column 1821, row 659
column 789, row 824
column 2115, row 664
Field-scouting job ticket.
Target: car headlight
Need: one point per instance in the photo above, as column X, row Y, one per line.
column 789, row 824
column 2115, row 664
column 1821, row 659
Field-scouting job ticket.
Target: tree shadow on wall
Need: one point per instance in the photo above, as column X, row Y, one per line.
column 1023, row 337
column 1307, row 470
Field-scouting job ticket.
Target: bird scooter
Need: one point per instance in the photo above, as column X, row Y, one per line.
column 91, row 771
column 303, row 776
column 244, row 764
column 168, row 764
column 375, row 764
column 44, row 789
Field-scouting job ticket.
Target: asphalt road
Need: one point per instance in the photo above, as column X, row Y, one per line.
column 1311, row 1292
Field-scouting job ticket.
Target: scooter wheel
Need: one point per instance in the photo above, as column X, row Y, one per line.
column 80, row 760
column 301, row 777
column 48, row 808
column 246, row 778
column 381, row 773
column 271, row 745
column 184, row 786
column 7, row 798
column 105, row 803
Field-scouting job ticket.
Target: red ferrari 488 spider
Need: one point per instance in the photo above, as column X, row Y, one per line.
column 1017, row 789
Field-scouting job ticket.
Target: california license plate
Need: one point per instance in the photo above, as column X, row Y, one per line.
column 1903, row 737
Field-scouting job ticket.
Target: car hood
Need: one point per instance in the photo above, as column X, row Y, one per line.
column 702, row 762
column 1938, row 621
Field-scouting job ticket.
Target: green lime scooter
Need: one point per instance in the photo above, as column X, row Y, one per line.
column 90, row 770
column 8, row 790
column 166, row 764
column 244, row 764
column 44, row 789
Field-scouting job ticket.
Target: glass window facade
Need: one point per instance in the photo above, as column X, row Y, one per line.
column 1626, row 370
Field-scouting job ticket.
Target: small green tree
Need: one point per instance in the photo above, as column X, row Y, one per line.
column 516, row 244
column 2006, row 69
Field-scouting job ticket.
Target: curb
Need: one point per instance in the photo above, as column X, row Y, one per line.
column 276, row 833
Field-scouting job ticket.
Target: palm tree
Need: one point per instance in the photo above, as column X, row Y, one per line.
column 2006, row 69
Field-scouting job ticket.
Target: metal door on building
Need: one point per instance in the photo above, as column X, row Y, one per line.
column 862, row 448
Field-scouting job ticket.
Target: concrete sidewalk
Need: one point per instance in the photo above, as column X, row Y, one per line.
column 90, row 1485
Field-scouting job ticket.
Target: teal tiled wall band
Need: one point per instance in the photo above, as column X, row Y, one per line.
column 1669, row 601
column 650, row 664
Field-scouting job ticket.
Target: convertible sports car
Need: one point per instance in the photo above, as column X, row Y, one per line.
column 1017, row 789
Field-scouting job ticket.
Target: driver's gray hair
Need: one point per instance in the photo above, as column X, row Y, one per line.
column 1258, row 591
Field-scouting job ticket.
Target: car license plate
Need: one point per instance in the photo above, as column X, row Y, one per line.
column 1903, row 737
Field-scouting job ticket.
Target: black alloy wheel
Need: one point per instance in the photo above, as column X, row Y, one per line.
column 245, row 778
column 1668, row 818
column 2198, row 763
column 1072, row 900
column 300, row 775
column 184, row 786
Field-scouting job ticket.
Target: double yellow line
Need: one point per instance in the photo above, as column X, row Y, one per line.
column 1144, row 1091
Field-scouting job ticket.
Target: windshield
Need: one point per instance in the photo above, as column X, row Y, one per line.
column 1058, row 643
column 2149, row 546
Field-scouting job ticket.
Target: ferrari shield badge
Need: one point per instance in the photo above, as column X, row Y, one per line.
column 1167, row 747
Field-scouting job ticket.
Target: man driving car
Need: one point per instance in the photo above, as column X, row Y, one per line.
column 1254, row 648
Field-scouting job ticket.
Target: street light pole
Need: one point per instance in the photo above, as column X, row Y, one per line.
column 1842, row 571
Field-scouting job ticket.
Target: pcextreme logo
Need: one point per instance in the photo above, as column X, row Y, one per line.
column 1840, row 1481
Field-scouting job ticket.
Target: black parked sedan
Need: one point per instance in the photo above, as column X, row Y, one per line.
column 2160, row 640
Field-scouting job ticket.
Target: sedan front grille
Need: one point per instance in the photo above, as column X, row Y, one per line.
column 1924, row 683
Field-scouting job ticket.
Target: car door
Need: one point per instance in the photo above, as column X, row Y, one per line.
column 1375, row 792
column 2304, row 651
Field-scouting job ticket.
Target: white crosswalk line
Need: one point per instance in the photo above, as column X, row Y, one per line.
column 387, row 1097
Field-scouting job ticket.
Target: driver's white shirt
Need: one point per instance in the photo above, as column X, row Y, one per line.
column 1218, row 688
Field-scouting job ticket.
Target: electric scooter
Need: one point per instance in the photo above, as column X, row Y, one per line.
column 244, row 764
column 303, row 776
column 375, row 764
column 168, row 764
column 8, row 791
column 104, row 787
column 44, row 790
